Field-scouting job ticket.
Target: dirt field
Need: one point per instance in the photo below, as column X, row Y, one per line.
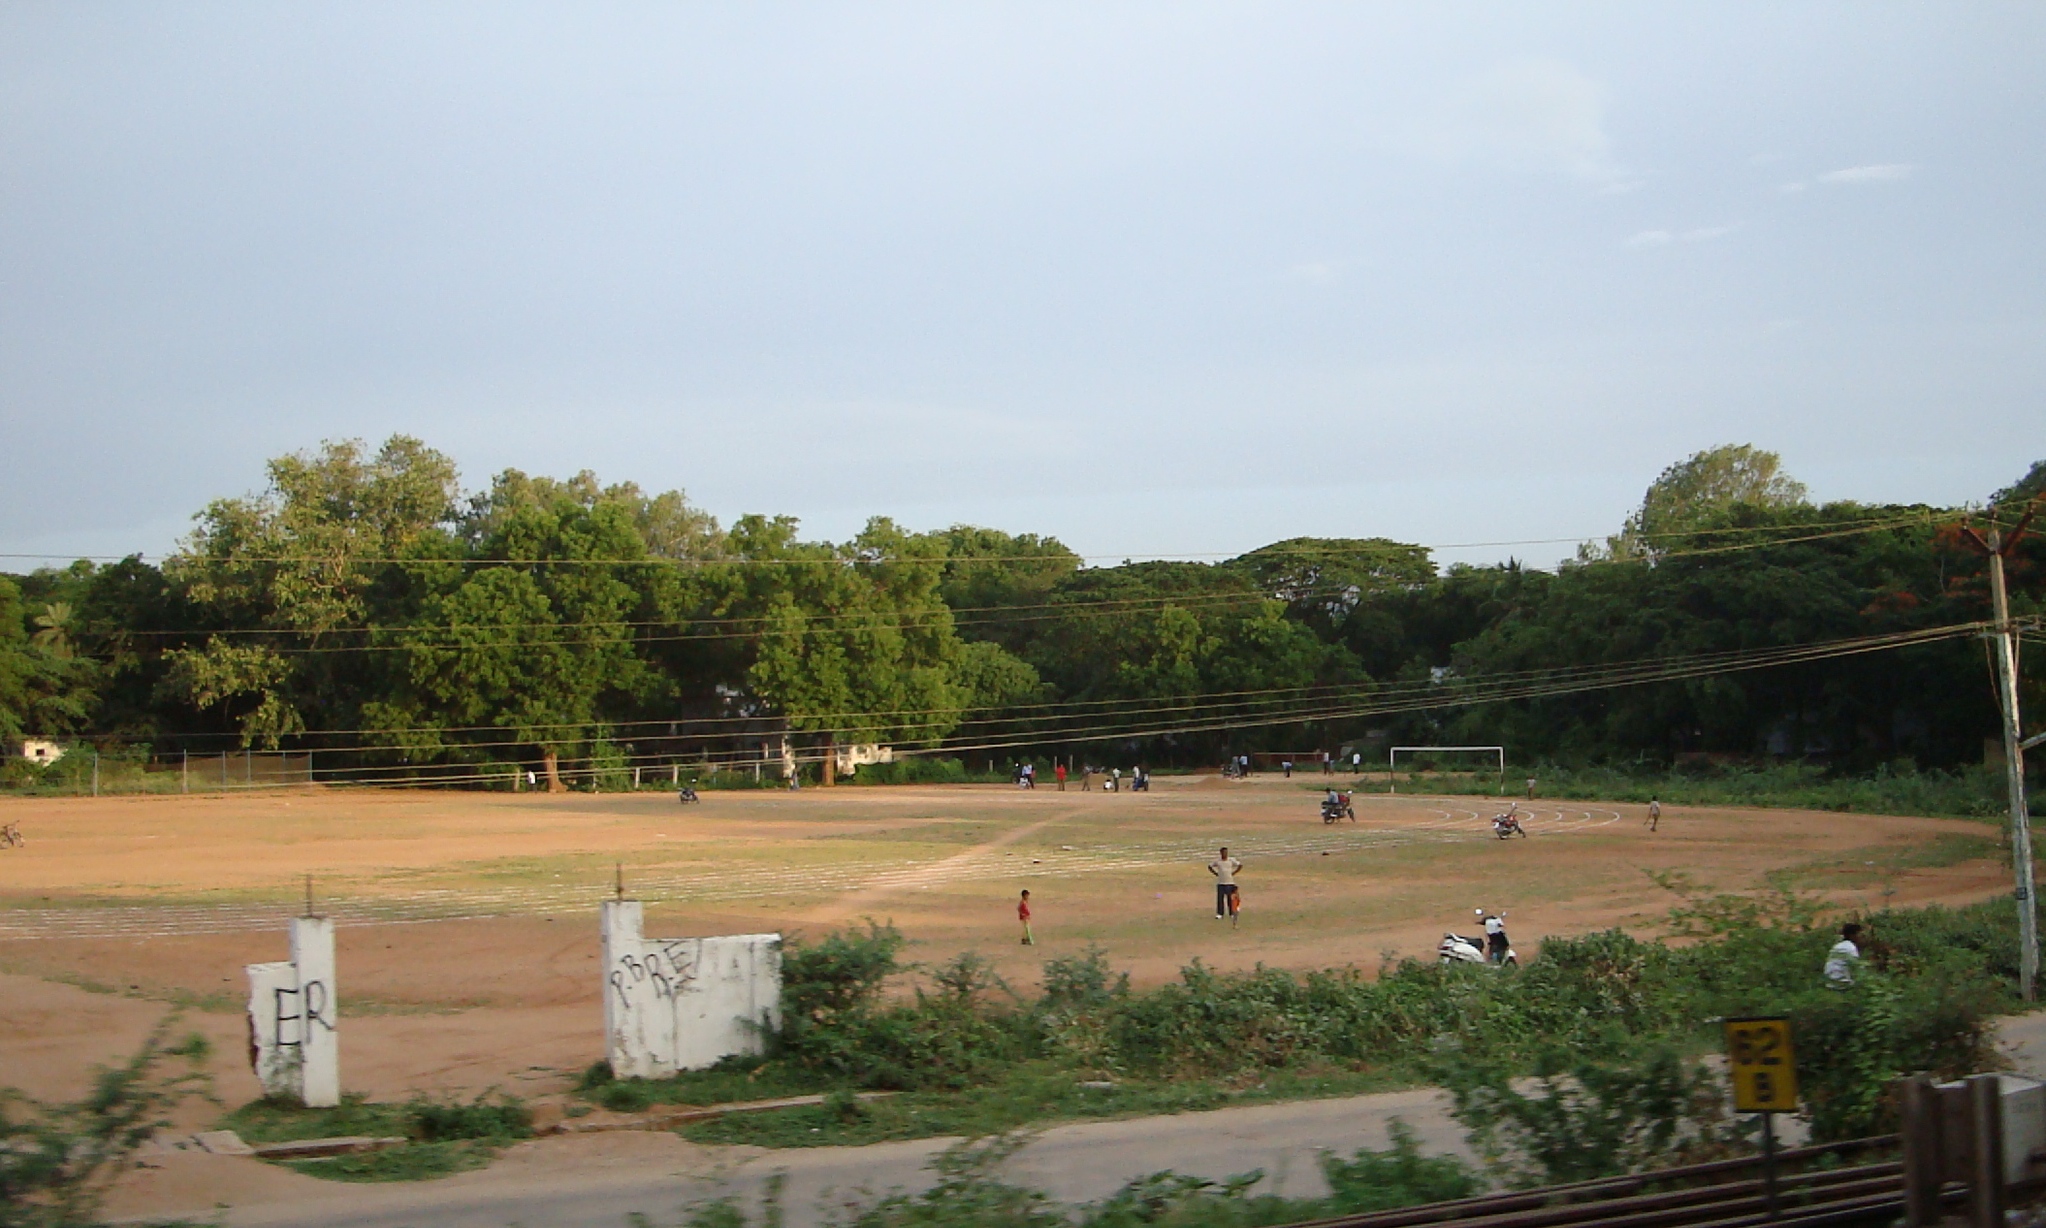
column 468, row 946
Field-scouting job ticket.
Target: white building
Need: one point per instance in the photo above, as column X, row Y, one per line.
column 41, row 750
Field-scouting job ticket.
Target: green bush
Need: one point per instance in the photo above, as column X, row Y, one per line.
column 445, row 1121
column 913, row 770
column 1588, row 1118
column 610, row 770
column 1900, row 788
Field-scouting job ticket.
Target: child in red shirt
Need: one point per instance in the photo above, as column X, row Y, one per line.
column 1023, row 915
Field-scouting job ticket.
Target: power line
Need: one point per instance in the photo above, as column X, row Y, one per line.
column 1643, row 673
column 999, row 615
column 1128, row 557
column 1374, row 700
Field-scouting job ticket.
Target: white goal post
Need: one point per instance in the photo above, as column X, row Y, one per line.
column 1392, row 760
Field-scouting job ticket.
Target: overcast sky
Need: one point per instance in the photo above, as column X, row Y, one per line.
column 1157, row 279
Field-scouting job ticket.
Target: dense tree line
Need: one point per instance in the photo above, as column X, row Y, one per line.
column 367, row 606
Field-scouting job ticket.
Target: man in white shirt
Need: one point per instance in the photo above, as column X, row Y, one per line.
column 1224, row 869
column 1841, row 959
column 1496, row 945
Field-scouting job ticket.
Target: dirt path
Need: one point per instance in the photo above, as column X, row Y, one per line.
column 879, row 888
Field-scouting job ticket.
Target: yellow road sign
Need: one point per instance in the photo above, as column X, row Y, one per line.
column 1764, row 1070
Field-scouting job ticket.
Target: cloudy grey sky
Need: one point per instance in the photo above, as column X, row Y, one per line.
column 1156, row 278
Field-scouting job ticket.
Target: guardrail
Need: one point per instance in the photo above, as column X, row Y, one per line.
column 1701, row 1197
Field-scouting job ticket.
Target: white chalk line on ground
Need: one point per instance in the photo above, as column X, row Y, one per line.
column 164, row 920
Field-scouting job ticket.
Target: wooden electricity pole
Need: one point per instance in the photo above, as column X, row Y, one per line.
column 1997, row 545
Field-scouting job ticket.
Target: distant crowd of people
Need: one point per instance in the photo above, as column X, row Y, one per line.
column 1113, row 779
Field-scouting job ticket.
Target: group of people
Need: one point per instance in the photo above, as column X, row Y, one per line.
column 1025, row 777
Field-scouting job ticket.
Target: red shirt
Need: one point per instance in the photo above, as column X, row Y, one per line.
column 1023, row 910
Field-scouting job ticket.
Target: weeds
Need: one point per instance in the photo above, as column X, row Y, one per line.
column 968, row 1055
column 58, row 1161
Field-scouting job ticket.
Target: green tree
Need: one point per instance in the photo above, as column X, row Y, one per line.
column 855, row 640
column 536, row 641
column 40, row 691
column 1691, row 492
column 326, row 549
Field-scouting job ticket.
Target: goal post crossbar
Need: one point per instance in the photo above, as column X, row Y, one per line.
column 1392, row 757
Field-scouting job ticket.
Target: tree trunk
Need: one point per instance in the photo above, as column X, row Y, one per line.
column 830, row 770
column 552, row 759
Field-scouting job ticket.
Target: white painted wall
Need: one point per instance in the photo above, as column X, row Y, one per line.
column 673, row 1004
column 294, row 1023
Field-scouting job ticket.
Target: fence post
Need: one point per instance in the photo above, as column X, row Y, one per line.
column 1922, row 1148
column 223, row 771
column 185, row 771
column 95, row 773
column 1985, row 1111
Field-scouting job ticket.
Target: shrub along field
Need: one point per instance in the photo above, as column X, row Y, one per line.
column 970, row 1054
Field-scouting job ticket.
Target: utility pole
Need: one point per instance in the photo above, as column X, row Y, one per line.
column 2005, row 633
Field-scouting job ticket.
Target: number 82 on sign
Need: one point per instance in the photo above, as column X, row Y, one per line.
column 1764, row 1070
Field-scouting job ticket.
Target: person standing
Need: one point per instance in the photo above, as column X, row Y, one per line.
column 1225, row 869
column 1286, row 765
column 1115, row 780
column 1023, row 915
column 1059, row 770
column 1654, row 813
column 1530, row 788
column 1496, row 945
column 1841, row 959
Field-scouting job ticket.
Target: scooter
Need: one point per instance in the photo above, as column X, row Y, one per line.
column 1463, row 949
column 1338, row 810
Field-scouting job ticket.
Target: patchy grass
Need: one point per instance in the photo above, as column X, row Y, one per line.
column 276, row 1121
column 1035, row 1094
column 1865, row 867
column 412, row 1162
column 445, row 1136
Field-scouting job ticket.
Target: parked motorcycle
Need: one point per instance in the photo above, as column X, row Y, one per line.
column 1506, row 826
column 1337, row 808
column 686, row 794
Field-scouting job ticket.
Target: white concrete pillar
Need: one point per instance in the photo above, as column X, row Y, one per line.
column 312, row 949
column 625, row 1009
column 294, row 1019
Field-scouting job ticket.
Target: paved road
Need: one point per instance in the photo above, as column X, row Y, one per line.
column 596, row 1181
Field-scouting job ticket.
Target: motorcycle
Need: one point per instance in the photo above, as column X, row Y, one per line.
column 686, row 795
column 1506, row 826
column 1334, row 810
